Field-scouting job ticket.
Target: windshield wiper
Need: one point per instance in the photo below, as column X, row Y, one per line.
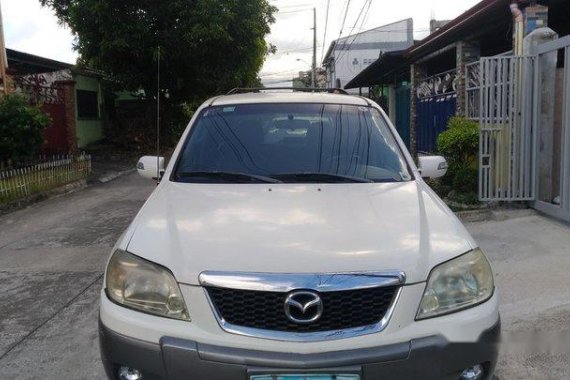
column 228, row 176
column 320, row 177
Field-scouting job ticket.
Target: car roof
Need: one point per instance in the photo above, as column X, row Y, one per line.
column 289, row 97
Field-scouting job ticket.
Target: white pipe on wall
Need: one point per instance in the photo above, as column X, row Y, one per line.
column 518, row 18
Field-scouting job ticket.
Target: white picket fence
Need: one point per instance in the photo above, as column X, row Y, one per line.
column 21, row 182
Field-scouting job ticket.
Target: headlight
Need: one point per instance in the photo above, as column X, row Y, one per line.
column 456, row 285
column 142, row 285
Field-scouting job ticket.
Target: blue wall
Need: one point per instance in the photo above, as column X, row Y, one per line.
column 432, row 117
column 403, row 113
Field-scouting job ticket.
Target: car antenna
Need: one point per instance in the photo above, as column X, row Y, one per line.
column 158, row 118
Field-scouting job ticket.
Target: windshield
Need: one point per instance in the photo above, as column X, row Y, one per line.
column 291, row 143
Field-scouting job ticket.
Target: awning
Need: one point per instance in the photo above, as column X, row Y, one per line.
column 380, row 72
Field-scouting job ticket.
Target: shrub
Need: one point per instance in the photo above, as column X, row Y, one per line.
column 460, row 142
column 465, row 180
column 21, row 128
column 460, row 146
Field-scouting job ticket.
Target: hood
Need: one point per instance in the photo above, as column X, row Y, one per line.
column 297, row 228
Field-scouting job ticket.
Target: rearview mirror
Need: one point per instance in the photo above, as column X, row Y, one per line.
column 432, row 166
column 150, row 166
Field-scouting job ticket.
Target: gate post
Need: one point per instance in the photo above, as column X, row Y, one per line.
column 417, row 72
column 467, row 52
column 68, row 89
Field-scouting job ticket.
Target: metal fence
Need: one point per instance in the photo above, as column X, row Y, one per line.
column 16, row 183
column 472, row 90
column 436, row 99
column 506, row 137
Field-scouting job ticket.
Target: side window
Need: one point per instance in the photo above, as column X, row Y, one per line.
column 87, row 104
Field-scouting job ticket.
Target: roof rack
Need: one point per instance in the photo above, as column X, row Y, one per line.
column 239, row 90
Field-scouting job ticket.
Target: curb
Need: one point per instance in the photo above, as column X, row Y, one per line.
column 495, row 215
column 60, row 191
column 473, row 216
column 108, row 177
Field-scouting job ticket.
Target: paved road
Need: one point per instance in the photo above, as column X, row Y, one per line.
column 52, row 256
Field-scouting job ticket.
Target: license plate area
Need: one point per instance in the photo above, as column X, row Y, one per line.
column 313, row 376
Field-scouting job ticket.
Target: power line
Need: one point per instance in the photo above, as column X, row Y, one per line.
column 297, row 11
column 326, row 26
column 366, row 14
column 344, row 18
column 279, row 72
column 310, row 4
column 281, row 52
column 343, row 52
column 359, row 15
column 295, row 50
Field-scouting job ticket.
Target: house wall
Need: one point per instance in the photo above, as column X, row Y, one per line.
column 430, row 118
column 88, row 130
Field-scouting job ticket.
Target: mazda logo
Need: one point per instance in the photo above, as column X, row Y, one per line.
column 303, row 306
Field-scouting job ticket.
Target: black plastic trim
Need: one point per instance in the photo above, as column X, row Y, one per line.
column 427, row 358
column 398, row 351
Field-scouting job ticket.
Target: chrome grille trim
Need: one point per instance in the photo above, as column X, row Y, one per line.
column 288, row 282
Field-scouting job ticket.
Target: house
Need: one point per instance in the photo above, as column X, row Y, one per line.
column 72, row 96
column 348, row 56
column 503, row 63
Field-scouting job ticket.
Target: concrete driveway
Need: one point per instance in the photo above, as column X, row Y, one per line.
column 52, row 256
column 531, row 259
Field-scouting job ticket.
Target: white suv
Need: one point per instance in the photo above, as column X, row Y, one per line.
column 292, row 237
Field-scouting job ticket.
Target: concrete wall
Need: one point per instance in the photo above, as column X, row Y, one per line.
column 89, row 130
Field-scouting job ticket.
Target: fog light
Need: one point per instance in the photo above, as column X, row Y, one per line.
column 127, row 373
column 473, row 373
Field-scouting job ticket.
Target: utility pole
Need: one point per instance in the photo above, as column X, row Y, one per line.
column 3, row 58
column 158, row 116
column 314, row 68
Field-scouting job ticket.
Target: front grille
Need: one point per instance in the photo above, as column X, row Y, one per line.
column 265, row 310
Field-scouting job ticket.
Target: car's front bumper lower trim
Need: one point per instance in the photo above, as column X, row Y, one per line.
column 431, row 357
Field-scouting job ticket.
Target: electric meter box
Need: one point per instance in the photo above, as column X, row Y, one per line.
column 535, row 17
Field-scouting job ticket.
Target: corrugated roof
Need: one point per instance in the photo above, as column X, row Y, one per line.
column 480, row 14
column 26, row 63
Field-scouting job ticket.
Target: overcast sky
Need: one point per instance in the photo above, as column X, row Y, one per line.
column 30, row 28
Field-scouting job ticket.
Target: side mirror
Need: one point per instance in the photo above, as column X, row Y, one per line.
column 147, row 167
column 432, row 166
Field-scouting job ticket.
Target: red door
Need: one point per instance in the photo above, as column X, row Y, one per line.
column 56, row 134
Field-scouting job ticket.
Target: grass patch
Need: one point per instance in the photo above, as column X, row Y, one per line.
column 23, row 183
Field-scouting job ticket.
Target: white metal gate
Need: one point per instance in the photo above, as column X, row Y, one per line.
column 523, row 107
column 507, row 136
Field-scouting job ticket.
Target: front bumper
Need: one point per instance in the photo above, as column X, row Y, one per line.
column 425, row 358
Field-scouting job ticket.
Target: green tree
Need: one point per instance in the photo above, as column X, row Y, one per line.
column 21, row 128
column 207, row 46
